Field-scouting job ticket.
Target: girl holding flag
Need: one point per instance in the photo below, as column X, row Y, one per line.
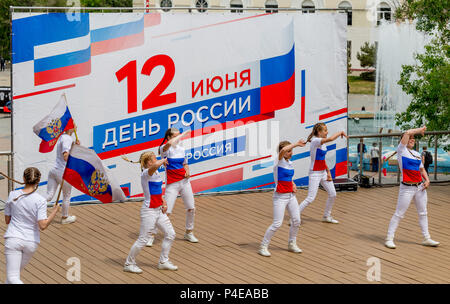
column 153, row 214
column 284, row 197
column 55, row 175
column 26, row 216
column 319, row 173
column 412, row 186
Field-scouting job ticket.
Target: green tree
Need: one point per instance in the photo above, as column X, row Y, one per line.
column 427, row 81
column 367, row 58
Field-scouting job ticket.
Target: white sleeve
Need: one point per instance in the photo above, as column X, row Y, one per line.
column 42, row 209
column 316, row 142
column 8, row 204
column 66, row 144
column 401, row 149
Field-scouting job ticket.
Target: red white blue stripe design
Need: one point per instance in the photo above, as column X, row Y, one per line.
column 65, row 52
column 319, row 161
column 50, row 128
column 85, row 172
column 410, row 170
column 283, row 174
column 175, row 168
column 152, row 186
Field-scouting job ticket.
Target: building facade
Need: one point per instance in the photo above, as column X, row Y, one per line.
column 363, row 16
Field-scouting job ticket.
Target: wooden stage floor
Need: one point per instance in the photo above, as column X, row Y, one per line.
column 230, row 228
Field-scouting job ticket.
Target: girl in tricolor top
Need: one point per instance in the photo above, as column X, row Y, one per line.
column 26, row 216
column 177, row 180
column 284, row 197
column 319, row 173
column 56, row 173
column 153, row 214
column 412, row 186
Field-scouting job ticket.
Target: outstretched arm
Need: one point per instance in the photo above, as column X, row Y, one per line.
column 412, row 132
column 174, row 141
column 333, row 137
column 300, row 143
column 152, row 169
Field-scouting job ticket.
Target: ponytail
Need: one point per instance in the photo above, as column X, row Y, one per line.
column 168, row 133
column 317, row 127
column 142, row 159
column 11, row 179
column 31, row 176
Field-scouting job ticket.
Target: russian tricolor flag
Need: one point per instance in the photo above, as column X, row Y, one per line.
column 284, row 183
column 53, row 125
column 85, row 172
column 175, row 170
column 411, row 170
column 319, row 163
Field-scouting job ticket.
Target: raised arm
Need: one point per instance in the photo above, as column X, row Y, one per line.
column 412, row 132
column 300, row 143
column 174, row 140
column 333, row 137
column 152, row 169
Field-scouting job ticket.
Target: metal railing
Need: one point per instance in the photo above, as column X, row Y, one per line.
column 435, row 139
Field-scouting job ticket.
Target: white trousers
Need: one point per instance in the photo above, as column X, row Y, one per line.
column 152, row 218
column 18, row 253
column 316, row 178
column 405, row 195
column 184, row 189
column 281, row 201
column 54, row 180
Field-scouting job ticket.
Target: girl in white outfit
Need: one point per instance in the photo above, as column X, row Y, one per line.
column 412, row 186
column 55, row 175
column 284, row 197
column 319, row 173
column 153, row 214
column 177, row 180
column 25, row 215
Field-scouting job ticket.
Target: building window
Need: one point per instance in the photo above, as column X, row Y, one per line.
column 349, row 50
column 201, row 5
column 383, row 12
column 308, row 7
column 346, row 7
column 236, row 4
column 166, row 5
column 271, row 4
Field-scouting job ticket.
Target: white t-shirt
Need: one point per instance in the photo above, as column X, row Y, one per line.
column 317, row 152
column 409, row 162
column 374, row 152
column 283, row 172
column 64, row 144
column 25, row 214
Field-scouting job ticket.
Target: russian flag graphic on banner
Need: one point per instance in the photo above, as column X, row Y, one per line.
column 53, row 125
column 410, row 170
column 85, row 172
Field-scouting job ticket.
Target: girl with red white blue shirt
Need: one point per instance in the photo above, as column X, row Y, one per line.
column 284, row 197
column 153, row 215
column 319, row 173
column 412, row 186
column 177, row 178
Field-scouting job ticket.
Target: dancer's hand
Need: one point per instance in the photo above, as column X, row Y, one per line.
column 294, row 188
column 164, row 208
column 301, row 143
column 329, row 178
column 344, row 135
column 426, row 184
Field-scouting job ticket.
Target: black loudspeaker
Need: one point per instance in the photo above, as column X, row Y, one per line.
column 344, row 184
column 366, row 181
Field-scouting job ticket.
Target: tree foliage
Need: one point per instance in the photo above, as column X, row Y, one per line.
column 367, row 56
column 428, row 81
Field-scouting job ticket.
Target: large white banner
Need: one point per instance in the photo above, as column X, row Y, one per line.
column 240, row 83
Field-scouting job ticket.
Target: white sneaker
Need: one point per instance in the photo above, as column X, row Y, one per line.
column 68, row 220
column 292, row 247
column 150, row 241
column 430, row 242
column 132, row 268
column 263, row 250
column 190, row 237
column 390, row 243
column 167, row 266
column 329, row 219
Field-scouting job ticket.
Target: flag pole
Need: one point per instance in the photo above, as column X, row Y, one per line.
column 74, row 129
column 60, row 188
